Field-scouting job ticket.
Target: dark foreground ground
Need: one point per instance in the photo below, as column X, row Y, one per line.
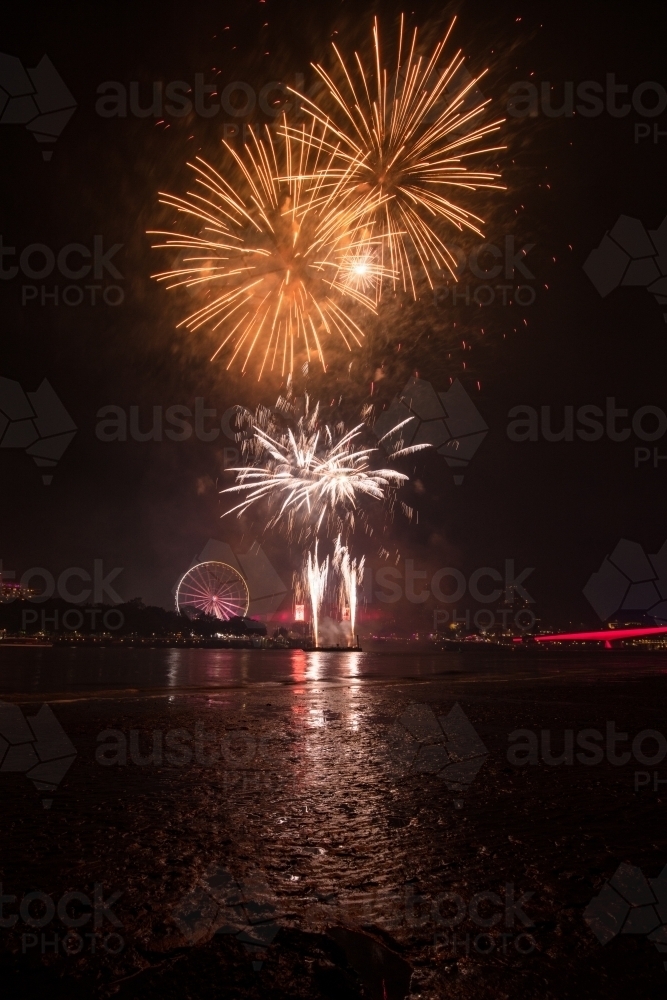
column 323, row 836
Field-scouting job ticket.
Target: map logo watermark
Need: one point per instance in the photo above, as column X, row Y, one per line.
column 631, row 256
column 36, row 746
column 630, row 904
column 36, row 422
column 37, row 98
column 447, row 746
column 245, row 909
column 265, row 588
column 448, row 421
column 630, row 580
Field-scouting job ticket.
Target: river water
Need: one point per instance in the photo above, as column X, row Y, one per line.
column 108, row 671
column 335, row 824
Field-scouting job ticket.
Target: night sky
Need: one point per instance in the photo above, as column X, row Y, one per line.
column 149, row 507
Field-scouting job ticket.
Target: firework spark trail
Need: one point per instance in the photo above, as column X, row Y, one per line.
column 397, row 153
column 352, row 574
column 316, row 582
column 278, row 257
column 315, row 478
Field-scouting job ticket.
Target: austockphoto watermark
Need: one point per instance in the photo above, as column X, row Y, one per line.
column 485, row 619
column 237, row 99
column 486, row 263
column 73, row 620
column 70, row 275
column 38, row 98
column 172, row 423
column 68, row 925
column 237, row 754
column 590, row 99
column 590, row 747
column 38, row 584
column 449, row 585
column 75, row 585
column 484, row 923
column 590, row 423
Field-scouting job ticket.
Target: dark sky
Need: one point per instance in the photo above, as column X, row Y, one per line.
column 149, row 507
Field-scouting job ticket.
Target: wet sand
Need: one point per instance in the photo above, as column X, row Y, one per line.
column 301, row 825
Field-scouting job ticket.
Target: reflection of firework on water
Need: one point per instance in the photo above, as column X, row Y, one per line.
column 400, row 145
column 316, row 575
column 212, row 588
column 315, row 477
column 273, row 256
column 351, row 576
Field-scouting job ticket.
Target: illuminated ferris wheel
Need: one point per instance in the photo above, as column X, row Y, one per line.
column 213, row 588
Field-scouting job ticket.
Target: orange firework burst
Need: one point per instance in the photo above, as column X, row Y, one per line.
column 399, row 148
column 279, row 257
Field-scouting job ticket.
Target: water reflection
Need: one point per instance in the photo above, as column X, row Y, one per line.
column 315, row 666
column 352, row 669
column 173, row 663
column 299, row 665
column 64, row 669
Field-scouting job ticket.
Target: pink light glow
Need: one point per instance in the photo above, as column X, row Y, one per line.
column 604, row 636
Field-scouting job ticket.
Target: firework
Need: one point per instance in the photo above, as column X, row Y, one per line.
column 315, row 477
column 361, row 267
column 400, row 139
column 316, row 582
column 351, row 574
column 279, row 258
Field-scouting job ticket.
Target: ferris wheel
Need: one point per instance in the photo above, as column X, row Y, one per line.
column 213, row 588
